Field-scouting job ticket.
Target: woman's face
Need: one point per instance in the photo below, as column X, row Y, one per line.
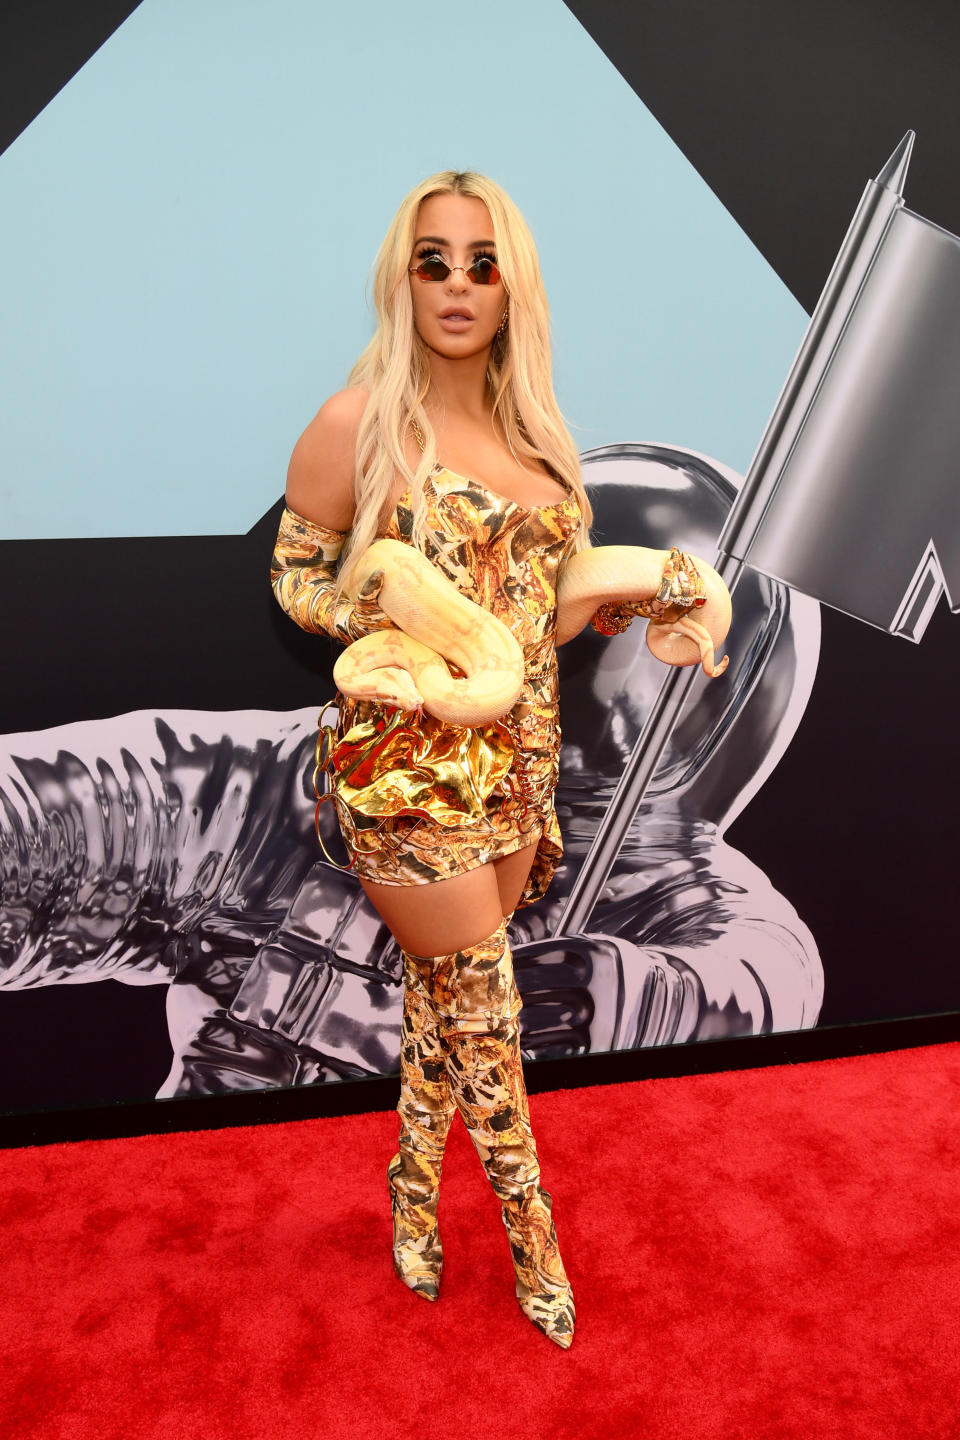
column 455, row 317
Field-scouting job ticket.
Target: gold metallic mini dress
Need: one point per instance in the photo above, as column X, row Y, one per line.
column 505, row 557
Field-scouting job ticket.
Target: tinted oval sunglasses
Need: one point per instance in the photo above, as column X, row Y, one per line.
column 483, row 271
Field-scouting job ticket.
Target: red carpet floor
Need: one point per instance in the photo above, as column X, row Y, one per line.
column 767, row 1253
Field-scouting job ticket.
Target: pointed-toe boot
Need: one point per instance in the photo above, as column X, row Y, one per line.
column 426, row 1108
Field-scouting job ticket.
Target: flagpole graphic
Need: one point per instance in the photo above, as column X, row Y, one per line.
column 852, row 495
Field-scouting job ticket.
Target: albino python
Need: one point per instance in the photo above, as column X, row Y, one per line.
column 407, row 667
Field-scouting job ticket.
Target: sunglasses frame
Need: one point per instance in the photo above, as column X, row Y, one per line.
column 439, row 279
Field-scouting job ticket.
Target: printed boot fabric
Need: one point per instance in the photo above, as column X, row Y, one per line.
column 460, row 1050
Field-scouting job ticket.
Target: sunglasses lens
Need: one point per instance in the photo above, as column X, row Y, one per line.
column 484, row 272
column 433, row 268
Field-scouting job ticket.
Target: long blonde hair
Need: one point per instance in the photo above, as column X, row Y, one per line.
column 395, row 367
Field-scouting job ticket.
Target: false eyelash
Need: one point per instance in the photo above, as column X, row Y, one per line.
column 430, row 251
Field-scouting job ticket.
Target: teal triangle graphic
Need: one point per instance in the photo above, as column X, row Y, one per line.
column 190, row 224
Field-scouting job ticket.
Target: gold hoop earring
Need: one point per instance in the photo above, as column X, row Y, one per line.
column 501, row 329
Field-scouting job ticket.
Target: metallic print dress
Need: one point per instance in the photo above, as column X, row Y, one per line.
column 505, row 557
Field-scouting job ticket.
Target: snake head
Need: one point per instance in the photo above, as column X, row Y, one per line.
column 370, row 589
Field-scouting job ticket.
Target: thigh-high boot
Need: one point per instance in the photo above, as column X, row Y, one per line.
column 475, row 996
column 426, row 1108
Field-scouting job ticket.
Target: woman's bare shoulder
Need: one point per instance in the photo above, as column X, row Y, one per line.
column 320, row 478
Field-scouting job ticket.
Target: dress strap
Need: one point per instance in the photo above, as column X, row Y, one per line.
column 418, row 432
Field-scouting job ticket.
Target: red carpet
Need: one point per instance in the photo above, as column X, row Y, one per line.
column 767, row 1254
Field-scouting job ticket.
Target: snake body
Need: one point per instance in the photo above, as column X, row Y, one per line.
column 435, row 624
column 615, row 574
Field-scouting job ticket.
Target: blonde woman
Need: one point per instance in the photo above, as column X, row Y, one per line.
column 448, row 438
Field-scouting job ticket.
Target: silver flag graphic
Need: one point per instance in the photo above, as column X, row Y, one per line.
column 853, row 495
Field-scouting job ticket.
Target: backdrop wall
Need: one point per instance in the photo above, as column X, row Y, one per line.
column 192, row 221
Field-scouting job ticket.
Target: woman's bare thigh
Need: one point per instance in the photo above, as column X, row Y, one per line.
column 448, row 915
column 512, row 874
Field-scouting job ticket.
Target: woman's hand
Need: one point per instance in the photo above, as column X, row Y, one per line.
column 613, row 583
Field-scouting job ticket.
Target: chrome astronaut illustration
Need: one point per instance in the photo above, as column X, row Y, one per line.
column 179, row 848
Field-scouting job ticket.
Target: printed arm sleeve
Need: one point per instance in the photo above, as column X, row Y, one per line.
column 303, row 575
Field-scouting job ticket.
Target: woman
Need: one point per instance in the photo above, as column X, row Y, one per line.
column 449, row 438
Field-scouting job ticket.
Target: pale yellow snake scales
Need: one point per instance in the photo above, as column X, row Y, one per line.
column 408, row 666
